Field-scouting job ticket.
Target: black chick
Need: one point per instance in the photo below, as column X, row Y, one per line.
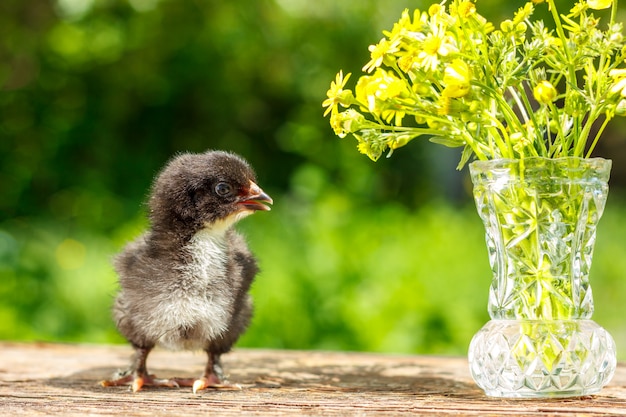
column 184, row 283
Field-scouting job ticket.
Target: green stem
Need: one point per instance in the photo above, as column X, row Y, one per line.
column 561, row 133
column 597, row 137
column 476, row 146
column 583, row 135
column 613, row 13
column 561, row 33
column 571, row 72
column 533, row 119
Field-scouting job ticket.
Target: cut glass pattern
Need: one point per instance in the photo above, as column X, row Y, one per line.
column 540, row 217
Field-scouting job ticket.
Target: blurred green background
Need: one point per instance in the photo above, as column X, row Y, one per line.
column 96, row 95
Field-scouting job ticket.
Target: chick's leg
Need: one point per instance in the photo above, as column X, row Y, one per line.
column 137, row 375
column 213, row 375
column 212, row 378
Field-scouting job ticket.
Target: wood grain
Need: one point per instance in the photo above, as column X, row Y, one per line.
column 63, row 379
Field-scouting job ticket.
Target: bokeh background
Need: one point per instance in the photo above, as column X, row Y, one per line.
column 96, row 95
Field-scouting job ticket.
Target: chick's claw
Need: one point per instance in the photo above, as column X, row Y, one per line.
column 123, row 380
column 212, row 381
column 200, row 384
column 136, row 382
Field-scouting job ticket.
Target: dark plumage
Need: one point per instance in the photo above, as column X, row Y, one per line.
column 184, row 283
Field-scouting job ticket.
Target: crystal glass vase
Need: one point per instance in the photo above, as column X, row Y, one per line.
column 540, row 217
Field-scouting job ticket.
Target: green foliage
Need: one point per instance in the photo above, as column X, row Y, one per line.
column 335, row 275
column 96, row 95
column 367, row 278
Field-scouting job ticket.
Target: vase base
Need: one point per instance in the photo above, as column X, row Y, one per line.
column 542, row 358
column 530, row 394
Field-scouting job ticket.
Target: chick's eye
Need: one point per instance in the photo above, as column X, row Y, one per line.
column 223, row 189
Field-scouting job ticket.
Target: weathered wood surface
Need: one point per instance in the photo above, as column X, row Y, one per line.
column 59, row 379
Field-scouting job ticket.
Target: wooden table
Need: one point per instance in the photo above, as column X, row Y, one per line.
column 62, row 379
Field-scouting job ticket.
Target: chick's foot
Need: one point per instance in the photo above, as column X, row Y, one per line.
column 137, row 381
column 212, row 381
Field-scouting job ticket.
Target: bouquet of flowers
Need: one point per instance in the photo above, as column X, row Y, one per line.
column 518, row 90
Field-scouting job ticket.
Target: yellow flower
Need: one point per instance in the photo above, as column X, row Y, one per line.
column 457, row 77
column 446, row 69
column 346, row 122
column 382, row 92
column 378, row 53
column 544, row 92
column 405, row 25
column 620, row 83
column 370, row 144
column 366, row 147
column 578, row 9
column 336, row 122
column 437, row 43
column 599, row 4
column 466, row 9
column 523, row 13
column 378, row 88
column 407, row 59
column 337, row 95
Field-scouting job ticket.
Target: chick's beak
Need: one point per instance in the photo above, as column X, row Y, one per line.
column 256, row 199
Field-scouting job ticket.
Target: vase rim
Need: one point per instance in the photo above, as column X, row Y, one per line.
column 573, row 167
column 598, row 162
column 539, row 158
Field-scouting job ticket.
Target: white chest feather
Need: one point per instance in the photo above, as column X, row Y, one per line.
column 197, row 305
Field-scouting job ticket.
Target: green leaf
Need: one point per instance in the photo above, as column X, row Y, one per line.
column 446, row 141
column 465, row 156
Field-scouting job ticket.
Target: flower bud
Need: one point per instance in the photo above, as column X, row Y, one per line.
column 399, row 141
column 422, row 88
column 435, row 9
column 544, row 92
column 506, row 26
